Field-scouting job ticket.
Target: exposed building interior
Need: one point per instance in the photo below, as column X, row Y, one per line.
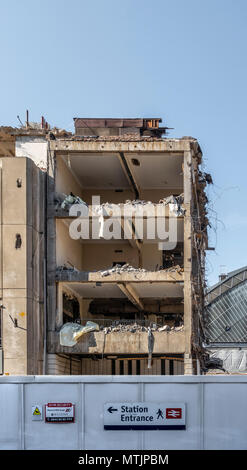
column 119, row 239
column 131, row 286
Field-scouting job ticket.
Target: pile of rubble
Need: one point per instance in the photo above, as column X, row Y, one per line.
column 66, row 200
column 121, row 269
column 137, row 328
column 65, row 267
column 171, row 328
column 127, row 268
column 175, row 202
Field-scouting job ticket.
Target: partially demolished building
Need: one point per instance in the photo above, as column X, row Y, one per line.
column 108, row 225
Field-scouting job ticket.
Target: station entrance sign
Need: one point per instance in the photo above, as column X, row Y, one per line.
column 144, row 416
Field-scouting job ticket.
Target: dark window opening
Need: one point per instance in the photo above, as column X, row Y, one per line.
column 129, row 367
column 121, row 367
column 135, row 161
column 171, row 367
column 138, row 367
column 173, row 258
column 18, row 241
column 71, row 309
column 113, row 367
column 163, row 367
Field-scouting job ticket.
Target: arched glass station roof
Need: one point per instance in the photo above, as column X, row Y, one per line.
column 226, row 309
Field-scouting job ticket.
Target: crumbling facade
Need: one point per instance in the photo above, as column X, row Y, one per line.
column 102, row 261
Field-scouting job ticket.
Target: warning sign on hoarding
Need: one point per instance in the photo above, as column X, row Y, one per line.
column 59, row 413
column 37, row 414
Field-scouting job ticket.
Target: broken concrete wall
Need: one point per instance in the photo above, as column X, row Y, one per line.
column 165, row 342
column 33, row 147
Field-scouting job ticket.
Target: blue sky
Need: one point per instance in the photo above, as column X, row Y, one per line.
column 182, row 60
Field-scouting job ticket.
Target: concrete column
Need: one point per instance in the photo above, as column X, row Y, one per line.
column 117, row 367
column 188, row 307
column 108, row 370
column 188, row 365
column 158, row 366
column 84, row 306
column 142, row 363
column 59, row 315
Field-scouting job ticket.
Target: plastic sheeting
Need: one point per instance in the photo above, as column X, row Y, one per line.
column 234, row 360
column 70, row 333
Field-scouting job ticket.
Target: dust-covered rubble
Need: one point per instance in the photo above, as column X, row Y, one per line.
column 137, row 328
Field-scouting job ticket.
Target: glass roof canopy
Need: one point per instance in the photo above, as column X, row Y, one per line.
column 226, row 313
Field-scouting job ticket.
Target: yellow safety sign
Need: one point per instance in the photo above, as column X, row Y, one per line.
column 36, row 412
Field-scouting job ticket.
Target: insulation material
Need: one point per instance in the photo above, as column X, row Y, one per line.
column 70, row 333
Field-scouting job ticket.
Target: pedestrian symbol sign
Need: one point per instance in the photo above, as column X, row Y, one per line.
column 37, row 414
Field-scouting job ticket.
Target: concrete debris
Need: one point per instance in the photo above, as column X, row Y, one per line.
column 175, row 204
column 137, row 328
column 127, row 268
column 71, row 199
column 176, row 268
column 205, row 177
column 175, row 201
column 171, row 328
column 164, row 328
column 119, row 269
column 137, row 202
column 122, row 269
column 64, row 267
column 125, row 327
